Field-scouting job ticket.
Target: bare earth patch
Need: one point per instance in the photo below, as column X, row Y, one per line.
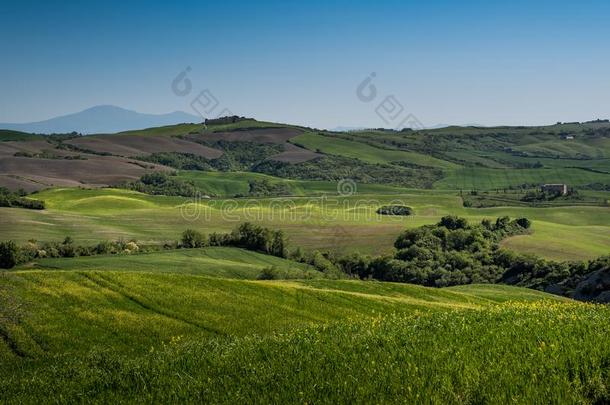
column 263, row 135
column 15, row 183
column 134, row 145
column 34, row 147
column 35, row 174
column 295, row 154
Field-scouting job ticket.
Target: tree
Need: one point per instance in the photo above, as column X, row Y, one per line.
column 524, row 223
column 9, row 254
column 502, row 222
column 192, row 239
column 220, row 239
column 252, row 237
column 452, row 222
column 67, row 249
column 355, row 265
column 278, row 247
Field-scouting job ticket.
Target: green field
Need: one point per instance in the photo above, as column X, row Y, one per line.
column 367, row 153
column 168, row 130
column 8, row 135
column 337, row 223
column 183, row 129
column 514, row 353
column 478, row 178
column 105, row 336
column 211, row 261
column 149, row 308
column 568, row 149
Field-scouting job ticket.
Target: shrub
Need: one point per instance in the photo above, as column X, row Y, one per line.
column 502, row 222
column 9, row 254
column 220, row 239
column 132, row 247
column 453, row 222
column 104, row 247
column 67, row 250
column 10, row 199
column 524, row 223
column 277, row 247
column 268, row 273
column 193, row 239
column 395, row 210
column 261, row 188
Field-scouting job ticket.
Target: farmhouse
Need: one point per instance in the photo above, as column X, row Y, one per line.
column 561, row 189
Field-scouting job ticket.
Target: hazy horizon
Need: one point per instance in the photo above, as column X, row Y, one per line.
column 524, row 63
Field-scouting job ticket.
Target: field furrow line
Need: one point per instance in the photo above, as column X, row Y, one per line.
column 106, row 284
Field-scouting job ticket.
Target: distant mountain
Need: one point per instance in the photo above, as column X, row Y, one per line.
column 102, row 119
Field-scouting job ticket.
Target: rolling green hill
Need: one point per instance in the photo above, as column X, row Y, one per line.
column 193, row 325
column 182, row 337
column 211, row 261
column 338, row 223
column 365, row 152
column 73, row 311
column 487, row 356
column 479, row 178
column 565, row 149
column 450, row 158
column 184, row 129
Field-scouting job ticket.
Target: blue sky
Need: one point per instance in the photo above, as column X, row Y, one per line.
column 450, row 62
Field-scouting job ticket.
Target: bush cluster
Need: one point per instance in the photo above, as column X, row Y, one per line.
column 18, row 199
column 177, row 160
column 237, row 156
column 449, row 253
column 395, row 210
column 159, row 183
column 265, row 188
column 247, row 236
column 334, row 168
column 11, row 254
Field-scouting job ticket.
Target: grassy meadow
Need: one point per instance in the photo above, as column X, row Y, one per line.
column 72, row 311
column 198, row 325
column 340, row 223
column 211, row 261
column 480, row 178
column 365, row 152
column 107, row 336
column 145, row 330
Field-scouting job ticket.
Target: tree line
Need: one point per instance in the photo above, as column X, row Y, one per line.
column 450, row 252
column 18, row 199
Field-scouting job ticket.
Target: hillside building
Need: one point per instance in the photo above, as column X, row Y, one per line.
column 561, row 189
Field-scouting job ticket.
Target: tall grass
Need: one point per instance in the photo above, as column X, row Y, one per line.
column 542, row 352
